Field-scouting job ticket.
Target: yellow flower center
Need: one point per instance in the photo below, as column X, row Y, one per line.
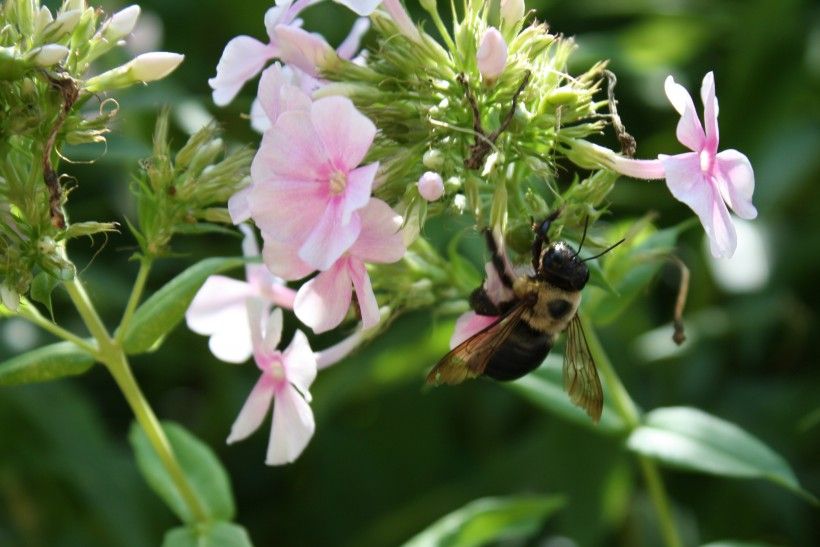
column 338, row 182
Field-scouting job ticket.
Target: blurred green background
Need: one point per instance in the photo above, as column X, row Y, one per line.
column 388, row 458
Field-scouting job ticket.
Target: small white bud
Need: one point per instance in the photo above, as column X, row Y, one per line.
column 431, row 186
column 42, row 19
column 155, row 65
column 122, row 23
column 66, row 21
column 49, row 54
column 433, row 159
column 9, row 298
column 492, row 54
column 512, row 11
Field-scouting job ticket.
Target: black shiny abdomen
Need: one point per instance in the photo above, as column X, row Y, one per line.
column 521, row 353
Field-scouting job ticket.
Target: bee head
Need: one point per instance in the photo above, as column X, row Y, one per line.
column 561, row 266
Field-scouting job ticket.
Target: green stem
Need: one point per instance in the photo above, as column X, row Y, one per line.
column 134, row 299
column 442, row 28
column 30, row 313
column 112, row 355
column 631, row 415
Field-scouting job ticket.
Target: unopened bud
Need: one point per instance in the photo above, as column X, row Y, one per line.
column 63, row 24
column 431, row 186
column 42, row 20
column 9, row 298
column 49, row 54
column 147, row 67
column 492, row 54
column 512, row 11
column 122, row 23
column 433, row 159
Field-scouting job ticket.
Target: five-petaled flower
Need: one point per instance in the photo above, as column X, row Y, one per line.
column 219, row 309
column 285, row 381
column 704, row 179
column 307, row 189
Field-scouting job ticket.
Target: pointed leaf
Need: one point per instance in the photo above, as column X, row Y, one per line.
column 218, row 534
column 691, row 439
column 158, row 315
column 41, row 289
column 736, row 543
column 545, row 387
column 43, row 364
column 200, row 465
column 489, row 519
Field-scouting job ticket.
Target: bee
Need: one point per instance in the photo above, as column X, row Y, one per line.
column 543, row 305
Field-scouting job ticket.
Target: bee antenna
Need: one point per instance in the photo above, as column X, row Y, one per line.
column 604, row 251
column 583, row 237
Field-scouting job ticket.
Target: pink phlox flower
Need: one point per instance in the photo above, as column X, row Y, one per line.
column 244, row 56
column 704, row 179
column 323, row 302
column 219, row 308
column 285, row 381
column 393, row 7
column 307, row 188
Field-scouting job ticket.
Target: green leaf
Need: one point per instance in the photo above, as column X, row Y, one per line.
column 41, row 289
column 489, row 519
column 736, row 543
column 688, row 438
column 545, row 388
column 217, row 534
column 158, row 315
column 200, row 465
column 43, row 364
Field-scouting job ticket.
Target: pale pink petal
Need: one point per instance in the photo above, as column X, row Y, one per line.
column 736, row 181
column 330, row 238
column 361, row 7
column 219, row 300
column 259, row 120
column 337, row 352
column 273, row 331
column 402, row 19
column 368, row 306
column 292, row 428
column 256, row 274
column 257, row 318
column 281, row 295
column 232, row 342
column 287, row 210
column 469, row 324
column 277, row 94
column 345, row 132
column 277, row 15
column 300, row 363
column 689, row 131
column 253, row 411
column 380, row 239
column 283, row 261
column 350, row 46
column 687, row 183
column 238, row 206
column 710, row 113
column 241, row 60
column 358, row 189
column 323, row 302
column 307, row 51
column 291, row 149
column 639, row 169
column 491, row 56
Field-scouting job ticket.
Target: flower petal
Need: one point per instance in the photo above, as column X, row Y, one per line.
column 358, row 189
column 368, row 306
column 291, row 149
column 273, row 331
column 735, row 179
column 350, row 46
column 322, row 302
column 380, row 239
column 337, row 352
column 345, row 132
column 277, row 94
column 361, row 7
column 259, row 119
column 232, row 343
column 307, row 51
column 470, row 324
column 238, row 206
column 300, row 363
column 287, row 210
column 241, row 60
column 689, row 130
column 330, row 238
column 710, row 112
column 687, row 183
column 283, row 260
column 253, row 411
column 219, row 300
column 293, row 426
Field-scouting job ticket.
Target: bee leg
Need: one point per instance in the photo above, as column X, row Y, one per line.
column 541, row 237
column 481, row 303
column 498, row 260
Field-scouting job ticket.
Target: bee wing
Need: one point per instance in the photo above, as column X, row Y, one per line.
column 470, row 358
column 580, row 375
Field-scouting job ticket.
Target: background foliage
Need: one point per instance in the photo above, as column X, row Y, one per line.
column 389, row 458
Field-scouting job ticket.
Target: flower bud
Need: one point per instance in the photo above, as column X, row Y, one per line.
column 42, row 20
column 431, row 186
column 49, row 54
column 512, row 11
column 122, row 23
column 147, row 67
column 433, row 159
column 492, row 54
column 9, row 298
column 63, row 24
